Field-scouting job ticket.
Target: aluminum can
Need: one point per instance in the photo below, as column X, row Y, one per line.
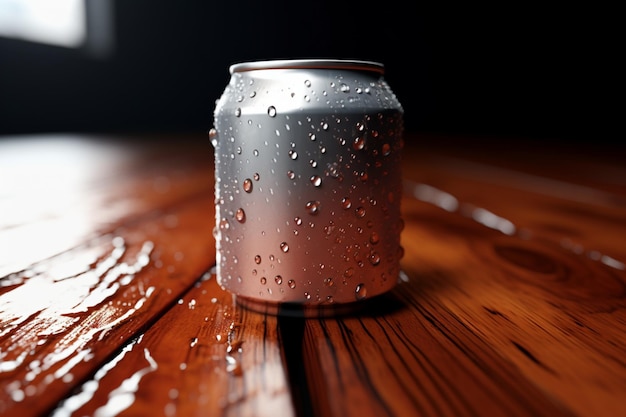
column 307, row 185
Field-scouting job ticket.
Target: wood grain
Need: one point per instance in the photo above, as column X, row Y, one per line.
column 512, row 300
column 460, row 339
column 204, row 356
column 63, row 315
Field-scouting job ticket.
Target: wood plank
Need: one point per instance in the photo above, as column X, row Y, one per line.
column 205, row 356
column 580, row 218
column 60, row 191
column 65, row 310
column 485, row 324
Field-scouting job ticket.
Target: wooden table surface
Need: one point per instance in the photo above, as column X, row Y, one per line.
column 512, row 299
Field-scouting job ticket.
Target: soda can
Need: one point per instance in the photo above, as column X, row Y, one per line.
column 307, row 185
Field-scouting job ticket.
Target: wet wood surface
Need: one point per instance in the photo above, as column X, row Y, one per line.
column 512, row 300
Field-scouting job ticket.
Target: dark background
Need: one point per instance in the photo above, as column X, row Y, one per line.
column 538, row 72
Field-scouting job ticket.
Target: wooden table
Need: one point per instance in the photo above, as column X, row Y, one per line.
column 511, row 301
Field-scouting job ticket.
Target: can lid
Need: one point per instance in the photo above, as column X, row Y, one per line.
column 348, row 64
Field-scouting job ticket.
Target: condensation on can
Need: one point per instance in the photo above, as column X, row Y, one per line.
column 307, row 185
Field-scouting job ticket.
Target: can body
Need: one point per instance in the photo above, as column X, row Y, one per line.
column 307, row 184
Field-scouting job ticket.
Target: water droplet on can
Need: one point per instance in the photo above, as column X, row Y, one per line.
column 312, row 207
column 358, row 143
column 316, row 180
column 213, row 136
column 240, row 215
column 247, row 185
column 360, row 292
column 374, row 258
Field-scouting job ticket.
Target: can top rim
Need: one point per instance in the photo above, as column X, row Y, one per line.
column 349, row 64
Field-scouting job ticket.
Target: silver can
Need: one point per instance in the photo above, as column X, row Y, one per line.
column 307, row 185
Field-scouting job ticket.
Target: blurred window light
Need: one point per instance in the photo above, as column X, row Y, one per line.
column 54, row 22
